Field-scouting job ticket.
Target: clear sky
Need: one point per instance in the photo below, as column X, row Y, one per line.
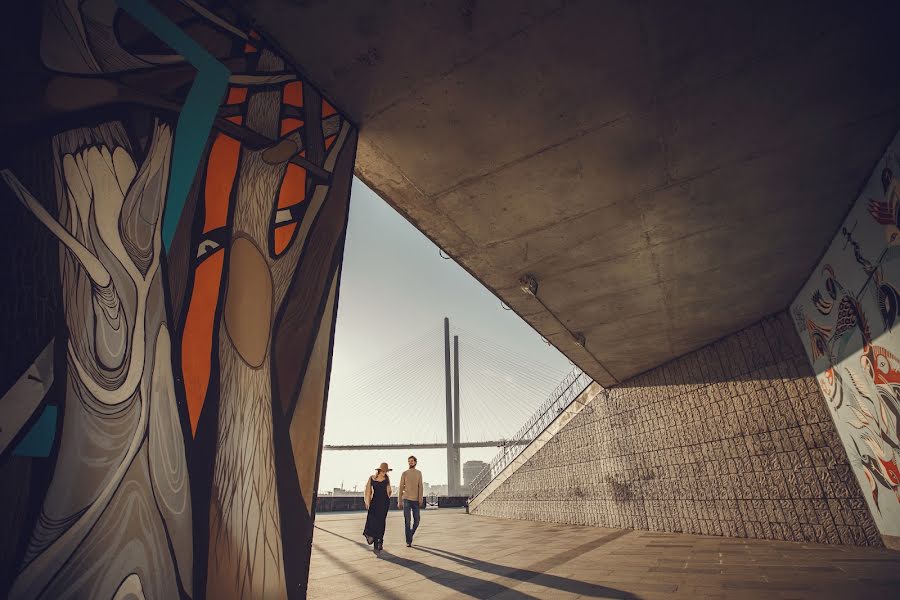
column 387, row 380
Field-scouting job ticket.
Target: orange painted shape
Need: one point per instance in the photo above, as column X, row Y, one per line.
column 290, row 124
column 327, row 109
column 293, row 186
column 196, row 341
column 283, row 235
column 254, row 34
column 250, row 49
column 292, row 94
column 236, row 119
column 221, row 169
column 236, row 95
column 329, row 141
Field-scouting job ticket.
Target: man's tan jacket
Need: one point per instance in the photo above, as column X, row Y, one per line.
column 411, row 486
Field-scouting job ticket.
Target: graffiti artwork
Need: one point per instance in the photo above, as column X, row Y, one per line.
column 847, row 315
column 182, row 195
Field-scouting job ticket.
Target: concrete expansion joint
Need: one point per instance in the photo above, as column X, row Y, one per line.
column 487, row 50
column 528, row 156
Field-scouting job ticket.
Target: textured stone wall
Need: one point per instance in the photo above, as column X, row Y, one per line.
column 733, row 439
column 31, row 269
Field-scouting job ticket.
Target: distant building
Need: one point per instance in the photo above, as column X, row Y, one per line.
column 438, row 490
column 471, row 470
column 343, row 492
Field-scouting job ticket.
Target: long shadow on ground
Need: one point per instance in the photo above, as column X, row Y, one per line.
column 482, row 588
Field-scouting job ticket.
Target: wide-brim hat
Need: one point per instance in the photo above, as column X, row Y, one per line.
column 383, row 467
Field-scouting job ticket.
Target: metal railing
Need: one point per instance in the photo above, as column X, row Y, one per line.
column 567, row 391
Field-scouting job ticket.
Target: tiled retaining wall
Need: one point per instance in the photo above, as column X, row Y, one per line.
column 733, row 439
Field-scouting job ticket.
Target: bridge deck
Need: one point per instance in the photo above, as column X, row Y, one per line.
column 466, row 556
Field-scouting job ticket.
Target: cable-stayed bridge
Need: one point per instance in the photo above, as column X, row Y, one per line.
column 445, row 388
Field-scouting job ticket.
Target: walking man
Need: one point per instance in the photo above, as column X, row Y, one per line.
column 410, row 494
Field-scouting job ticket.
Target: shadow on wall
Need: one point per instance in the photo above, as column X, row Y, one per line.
column 843, row 322
column 754, row 456
column 762, row 351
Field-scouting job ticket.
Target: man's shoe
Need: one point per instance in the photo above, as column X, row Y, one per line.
column 409, row 544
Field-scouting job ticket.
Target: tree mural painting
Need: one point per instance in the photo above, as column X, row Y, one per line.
column 847, row 313
column 121, row 445
column 279, row 209
column 198, row 318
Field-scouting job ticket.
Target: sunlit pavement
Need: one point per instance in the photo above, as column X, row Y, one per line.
column 456, row 555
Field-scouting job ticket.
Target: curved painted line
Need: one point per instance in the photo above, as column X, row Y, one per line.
column 197, row 114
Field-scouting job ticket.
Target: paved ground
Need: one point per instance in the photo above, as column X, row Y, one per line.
column 465, row 556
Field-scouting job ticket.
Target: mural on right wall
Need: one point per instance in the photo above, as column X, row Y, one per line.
column 847, row 316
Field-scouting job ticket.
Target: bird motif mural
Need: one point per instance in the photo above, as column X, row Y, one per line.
column 847, row 313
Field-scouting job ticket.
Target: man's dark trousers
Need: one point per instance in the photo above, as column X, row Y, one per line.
column 410, row 506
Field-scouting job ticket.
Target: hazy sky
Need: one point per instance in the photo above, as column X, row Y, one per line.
column 387, row 381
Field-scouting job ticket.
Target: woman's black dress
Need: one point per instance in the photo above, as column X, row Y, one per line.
column 378, row 510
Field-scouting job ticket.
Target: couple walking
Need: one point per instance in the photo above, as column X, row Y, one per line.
column 378, row 502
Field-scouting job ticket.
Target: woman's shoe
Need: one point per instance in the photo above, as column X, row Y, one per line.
column 369, row 539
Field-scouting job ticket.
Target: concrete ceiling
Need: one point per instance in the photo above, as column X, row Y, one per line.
column 670, row 172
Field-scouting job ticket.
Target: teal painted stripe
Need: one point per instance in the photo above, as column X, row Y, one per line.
column 194, row 124
column 38, row 442
column 197, row 114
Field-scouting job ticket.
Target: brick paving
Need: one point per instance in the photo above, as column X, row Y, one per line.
column 468, row 556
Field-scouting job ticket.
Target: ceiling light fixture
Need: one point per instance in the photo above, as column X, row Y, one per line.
column 529, row 284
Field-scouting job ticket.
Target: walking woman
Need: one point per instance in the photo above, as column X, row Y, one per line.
column 378, row 502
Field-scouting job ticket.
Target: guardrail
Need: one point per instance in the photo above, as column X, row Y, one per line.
column 567, row 391
column 357, row 503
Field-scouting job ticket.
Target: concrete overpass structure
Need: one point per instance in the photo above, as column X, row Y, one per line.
column 669, row 172
column 697, row 202
column 650, row 185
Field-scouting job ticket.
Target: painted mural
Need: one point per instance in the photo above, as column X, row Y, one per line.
column 178, row 196
column 847, row 315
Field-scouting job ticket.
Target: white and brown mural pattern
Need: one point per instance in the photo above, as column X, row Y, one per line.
column 847, row 316
column 178, row 197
